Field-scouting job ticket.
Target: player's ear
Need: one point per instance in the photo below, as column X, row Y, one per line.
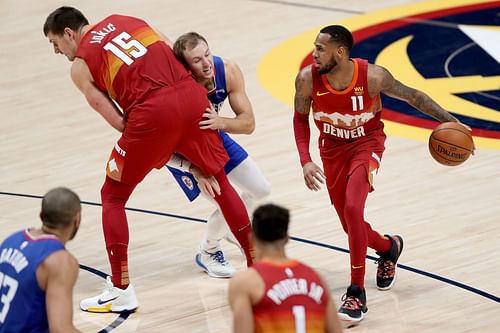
column 70, row 33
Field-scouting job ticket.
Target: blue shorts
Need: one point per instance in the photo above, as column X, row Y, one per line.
column 186, row 179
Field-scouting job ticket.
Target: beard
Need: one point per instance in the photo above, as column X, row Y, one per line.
column 328, row 67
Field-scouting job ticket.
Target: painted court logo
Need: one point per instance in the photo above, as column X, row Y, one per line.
column 448, row 49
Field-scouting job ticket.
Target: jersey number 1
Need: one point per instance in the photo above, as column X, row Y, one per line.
column 121, row 43
column 5, row 299
column 299, row 314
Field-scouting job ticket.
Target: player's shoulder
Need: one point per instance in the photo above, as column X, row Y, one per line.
column 231, row 67
column 305, row 73
column 377, row 72
column 61, row 260
column 246, row 279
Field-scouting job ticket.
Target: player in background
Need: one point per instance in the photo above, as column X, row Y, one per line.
column 344, row 94
column 222, row 79
column 37, row 273
column 279, row 294
column 124, row 59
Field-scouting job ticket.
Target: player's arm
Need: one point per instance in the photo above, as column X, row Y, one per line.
column 99, row 101
column 61, row 270
column 383, row 81
column 244, row 122
column 241, row 303
column 313, row 175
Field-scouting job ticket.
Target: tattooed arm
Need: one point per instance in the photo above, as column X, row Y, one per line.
column 380, row 80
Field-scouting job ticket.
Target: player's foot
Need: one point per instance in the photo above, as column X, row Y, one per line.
column 112, row 299
column 353, row 305
column 386, row 271
column 214, row 263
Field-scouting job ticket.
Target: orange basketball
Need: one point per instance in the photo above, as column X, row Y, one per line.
column 451, row 144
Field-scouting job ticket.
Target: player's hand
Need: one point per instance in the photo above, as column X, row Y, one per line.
column 211, row 120
column 208, row 185
column 313, row 176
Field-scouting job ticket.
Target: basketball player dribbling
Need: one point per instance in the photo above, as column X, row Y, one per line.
column 125, row 59
column 344, row 94
column 278, row 294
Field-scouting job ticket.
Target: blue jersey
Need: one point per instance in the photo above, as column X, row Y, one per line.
column 22, row 302
column 236, row 153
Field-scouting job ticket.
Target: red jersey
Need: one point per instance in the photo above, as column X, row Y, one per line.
column 348, row 114
column 128, row 59
column 294, row 299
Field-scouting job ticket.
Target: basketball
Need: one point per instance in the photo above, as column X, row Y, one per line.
column 451, row 144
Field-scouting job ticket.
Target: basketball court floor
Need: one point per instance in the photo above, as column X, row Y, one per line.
column 448, row 280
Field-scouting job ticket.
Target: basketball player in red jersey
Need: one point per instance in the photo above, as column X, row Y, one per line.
column 278, row 294
column 345, row 97
column 124, row 59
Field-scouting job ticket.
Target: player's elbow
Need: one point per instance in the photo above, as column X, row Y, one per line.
column 250, row 127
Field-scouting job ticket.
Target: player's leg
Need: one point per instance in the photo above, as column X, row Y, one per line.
column 357, row 188
column 147, row 143
column 210, row 257
column 389, row 248
column 235, row 214
column 248, row 177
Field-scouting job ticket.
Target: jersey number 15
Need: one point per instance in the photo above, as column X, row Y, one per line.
column 125, row 48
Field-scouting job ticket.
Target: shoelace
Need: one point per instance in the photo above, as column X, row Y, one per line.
column 351, row 303
column 386, row 268
column 219, row 257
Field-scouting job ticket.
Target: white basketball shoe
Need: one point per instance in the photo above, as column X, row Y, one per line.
column 214, row 263
column 112, row 299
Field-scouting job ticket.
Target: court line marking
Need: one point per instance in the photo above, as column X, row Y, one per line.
column 124, row 315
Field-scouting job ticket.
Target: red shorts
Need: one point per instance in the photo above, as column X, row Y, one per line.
column 164, row 123
column 341, row 158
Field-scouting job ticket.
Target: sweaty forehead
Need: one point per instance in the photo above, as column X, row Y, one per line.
column 197, row 51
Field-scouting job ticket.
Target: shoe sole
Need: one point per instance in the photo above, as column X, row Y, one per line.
column 206, row 270
column 110, row 310
column 349, row 321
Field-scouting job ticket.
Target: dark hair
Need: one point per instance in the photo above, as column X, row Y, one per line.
column 270, row 223
column 59, row 208
column 339, row 34
column 187, row 41
column 64, row 17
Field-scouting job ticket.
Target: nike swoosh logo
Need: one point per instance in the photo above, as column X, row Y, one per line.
column 356, row 267
column 321, row 94
column 100, row 302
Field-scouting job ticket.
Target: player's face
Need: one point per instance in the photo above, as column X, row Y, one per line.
column 325, row 54
column 200, row 61
column 64, row 44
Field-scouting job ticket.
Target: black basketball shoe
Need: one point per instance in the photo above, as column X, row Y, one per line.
column 386, row 271
column 353, row 305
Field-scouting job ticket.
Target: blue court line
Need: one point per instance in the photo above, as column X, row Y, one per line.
column 125, row 315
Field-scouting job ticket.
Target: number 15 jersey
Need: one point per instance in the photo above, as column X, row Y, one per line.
column 128, row 59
